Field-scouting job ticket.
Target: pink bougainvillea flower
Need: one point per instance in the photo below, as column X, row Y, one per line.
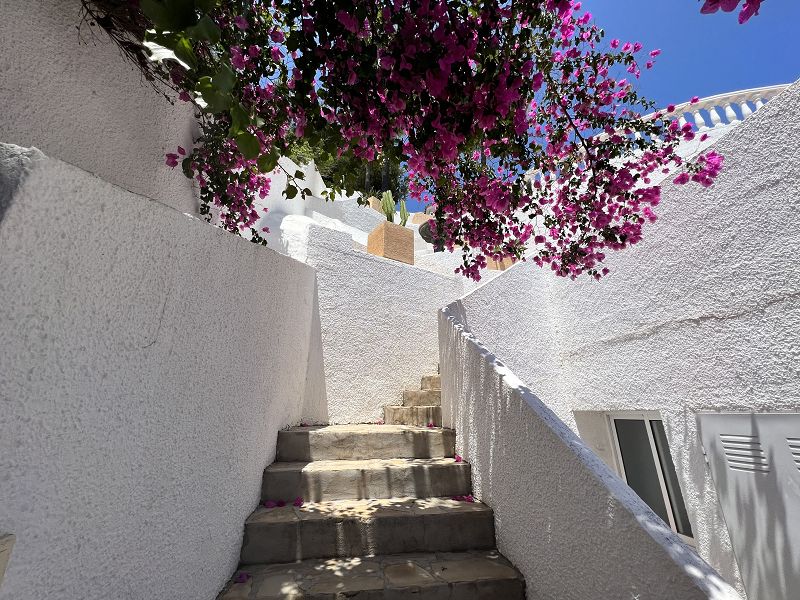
column 458, row 458
column 298, row 502
column 241, row 23
column 281, row 503
column 172, row 160
column 431, row 425
column 242, row 577
column 749, row 9
column 269, row 504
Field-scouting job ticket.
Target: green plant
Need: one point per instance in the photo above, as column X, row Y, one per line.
column 404, row 214
column 387, row 205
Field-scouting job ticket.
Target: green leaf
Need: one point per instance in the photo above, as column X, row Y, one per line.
column 184, row 51
column 205, row 30
column 299, row 174
column 248, row 145
column 267, row 162
column 186, row 165
column 291, row 191
column 217, row 101
column 224, row 78
column 174, row 15
column 240, row 119
column 207, row 5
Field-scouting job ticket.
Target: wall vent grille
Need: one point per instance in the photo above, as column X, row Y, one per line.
column 744, row 453
column 794, row 448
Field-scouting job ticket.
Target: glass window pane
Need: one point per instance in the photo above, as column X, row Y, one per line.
column 639, row 463
column 671, row 479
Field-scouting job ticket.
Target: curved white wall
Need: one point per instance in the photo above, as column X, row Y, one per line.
column 704, row 314
column 72, row 94
column 148, row 361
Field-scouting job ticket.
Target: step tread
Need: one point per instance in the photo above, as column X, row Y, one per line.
column 364, row 510
column 472, row 575
column 365, row 428
column 363, row 464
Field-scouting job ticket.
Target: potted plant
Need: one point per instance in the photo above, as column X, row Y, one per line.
column 389, row 239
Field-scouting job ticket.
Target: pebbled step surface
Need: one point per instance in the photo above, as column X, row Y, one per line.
column 422, row 397
column 360, row 479
column 356, row 442
column 419, row 416
column 366, row 527
column 476, row 575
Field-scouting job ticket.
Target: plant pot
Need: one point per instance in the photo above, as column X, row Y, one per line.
column 390, row 240
column 500, row 265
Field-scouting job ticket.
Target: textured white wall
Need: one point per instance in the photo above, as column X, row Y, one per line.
column 562, row 517
column 703, row 315
column 72, row 94
column 378, row 321
column 148, row 361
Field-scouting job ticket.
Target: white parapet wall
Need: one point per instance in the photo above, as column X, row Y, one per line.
column 148, row 361
column 378, row 321
column 71, row 93
column 569, row 524
column 702, row 315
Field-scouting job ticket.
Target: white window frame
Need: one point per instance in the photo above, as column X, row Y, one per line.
column 646, row 416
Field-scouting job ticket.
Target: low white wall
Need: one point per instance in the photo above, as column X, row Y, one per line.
column 148, row 362
column 378, row 321
column 703, row 315
column 571, row 526
column 74, row 96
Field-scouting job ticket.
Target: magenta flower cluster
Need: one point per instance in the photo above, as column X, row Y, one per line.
column 517, row 122
column 749, row 8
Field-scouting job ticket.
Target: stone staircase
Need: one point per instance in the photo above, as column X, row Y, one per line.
column 372, row 512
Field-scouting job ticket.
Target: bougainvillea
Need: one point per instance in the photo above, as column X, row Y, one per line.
column 749, row 8
column 516, row 120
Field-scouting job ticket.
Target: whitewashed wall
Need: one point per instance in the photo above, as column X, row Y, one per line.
column 571, row 526
column 71, row 94
column 378, row 321
column 703, row 315
column 148, row 361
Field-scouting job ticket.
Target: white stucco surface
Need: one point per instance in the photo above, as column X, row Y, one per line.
column 703, row 315
column 71, row 94
column 571, row 526
column 378, row 321
column 148, row 362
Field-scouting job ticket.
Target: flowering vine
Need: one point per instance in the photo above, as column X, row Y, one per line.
column 517, row 120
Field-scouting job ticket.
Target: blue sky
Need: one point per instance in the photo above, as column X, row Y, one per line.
column 704, row 55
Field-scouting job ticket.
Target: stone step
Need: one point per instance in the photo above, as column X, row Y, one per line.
column 324, row 480
column 432, row 382
column 420, row 416
column 422, row 397
column 477, row 575
column 355, row 442
column 345, row 528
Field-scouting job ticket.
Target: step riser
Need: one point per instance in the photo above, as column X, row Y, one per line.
column 415, row 481
column 422, row 398
column 419, row 416
column 343, row 537
column 298, row 446
column 432, row 382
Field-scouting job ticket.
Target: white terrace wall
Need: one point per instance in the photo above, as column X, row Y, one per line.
column 378, row 321
column 148, row 361
column 703, row 315
column 72, row 94
column 571, row 526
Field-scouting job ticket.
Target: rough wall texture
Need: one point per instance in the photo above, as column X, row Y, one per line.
column 71, row 94
column 378, row 321
column 148, row 362
column 703, row 315
column 563, row 518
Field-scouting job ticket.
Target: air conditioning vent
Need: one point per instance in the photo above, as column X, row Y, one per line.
column 744, row 453
column 794, row 448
